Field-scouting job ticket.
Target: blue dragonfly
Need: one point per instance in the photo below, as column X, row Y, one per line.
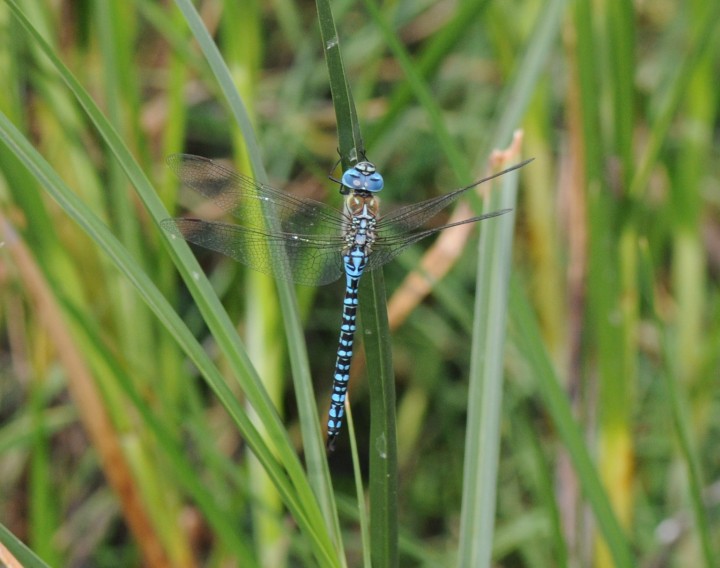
column 307, row 242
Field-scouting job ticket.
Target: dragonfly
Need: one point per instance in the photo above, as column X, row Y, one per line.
column 307, row 242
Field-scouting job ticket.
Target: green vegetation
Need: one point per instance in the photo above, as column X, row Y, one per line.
column 553, row 401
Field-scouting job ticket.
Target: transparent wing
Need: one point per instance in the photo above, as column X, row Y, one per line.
column 255, row 204
column 305, row 259
column 389, row 243
column 417, row 214
column 292, row 238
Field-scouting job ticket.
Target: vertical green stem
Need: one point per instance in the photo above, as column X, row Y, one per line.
column 482, row 438
column 383, row 448
column 383, row 437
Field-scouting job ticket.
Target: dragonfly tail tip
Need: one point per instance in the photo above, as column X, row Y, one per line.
column 330, row 444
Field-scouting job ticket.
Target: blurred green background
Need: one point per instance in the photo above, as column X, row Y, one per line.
column 115, row 452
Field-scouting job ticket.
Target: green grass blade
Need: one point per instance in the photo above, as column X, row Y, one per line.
column 485, row 394
column 522, row 85
column 315, row 453
column 206, row 498
column 383, row 482
column 300, row 500
column 350, row 140
column 482, row 438
column 528, row 339
column 677, row 398
column 317, row 466
column 242, row 41
column 430, row 59
column 107, row 242
column 701, row 41
column 17, row 548
column 376, row 335
column 224, row 78
column 361, row 513
column 420, row 89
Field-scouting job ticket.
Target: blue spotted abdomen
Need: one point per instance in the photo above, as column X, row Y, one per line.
column 354, row 266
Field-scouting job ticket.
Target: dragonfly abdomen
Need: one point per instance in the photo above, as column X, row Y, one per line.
column 354, row 261
column 360, row 238
column 341, row 376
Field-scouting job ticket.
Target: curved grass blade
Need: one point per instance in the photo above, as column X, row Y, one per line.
column 78, row 211
column 318, row 473
column 528, row 338
column 294, row 490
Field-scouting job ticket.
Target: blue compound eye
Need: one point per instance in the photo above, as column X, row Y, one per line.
column 362, row 177
column 375, row 182
column 352, row 179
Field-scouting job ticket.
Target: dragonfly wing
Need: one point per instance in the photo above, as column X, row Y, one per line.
column 413, row 216
column 255, row 204
column 303, row 259
column 389, row 244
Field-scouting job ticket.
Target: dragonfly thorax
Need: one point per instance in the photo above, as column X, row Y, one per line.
column 362, row 177
column 362, row 209
column 362, row 205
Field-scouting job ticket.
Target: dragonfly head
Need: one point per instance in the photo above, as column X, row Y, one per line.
column 362, row 177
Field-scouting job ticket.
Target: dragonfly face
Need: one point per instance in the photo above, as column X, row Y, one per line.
column 362, row 177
